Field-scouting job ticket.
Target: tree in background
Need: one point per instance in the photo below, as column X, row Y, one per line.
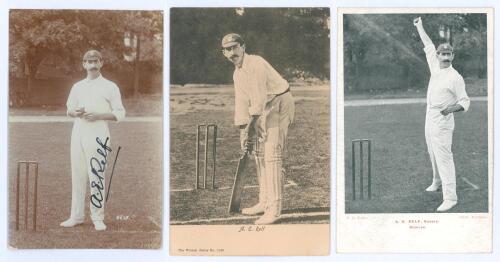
column 294, row 40
column 60, row 37
column 33, row 35
column 141, row 28
column 383, row 51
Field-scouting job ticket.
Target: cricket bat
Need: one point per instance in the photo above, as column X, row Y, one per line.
column 239, row 181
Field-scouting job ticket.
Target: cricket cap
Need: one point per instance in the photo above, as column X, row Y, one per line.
column 232, row 39
column 92, row 55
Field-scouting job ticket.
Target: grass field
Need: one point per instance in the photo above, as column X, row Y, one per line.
column 134, row 210
column 401, row 169
column 475, row 87
column 307, row 159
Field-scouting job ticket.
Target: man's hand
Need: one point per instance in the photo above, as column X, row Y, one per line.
column 255, row 128
column 446, row 111
column 452, row 109
column 77, row 113
column 417, row 21
column 245, row 139
column 250, row 130
column 99, row 116
column 426, row 40
column 80, row 111
column 91, row 117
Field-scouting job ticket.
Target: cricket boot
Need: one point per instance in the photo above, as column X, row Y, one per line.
column 99, row 225
column 446, row 205
column 71, row 223
column 254, row 210
column 271, row 215
column 433, row 187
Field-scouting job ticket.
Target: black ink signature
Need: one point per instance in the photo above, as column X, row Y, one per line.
column 98, row 167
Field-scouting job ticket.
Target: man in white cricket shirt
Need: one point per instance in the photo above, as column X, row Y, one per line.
column 92, row 102
column 264, row 109
column 445, row 95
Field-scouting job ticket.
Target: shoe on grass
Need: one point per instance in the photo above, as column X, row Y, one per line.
column 257, row 209
column 446, row 205
column 433, row 187
column 71, row 223
column 99, row 225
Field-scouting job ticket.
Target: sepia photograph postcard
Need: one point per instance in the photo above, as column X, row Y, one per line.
column 85, row 129
column 415, row 130
column 249, row 131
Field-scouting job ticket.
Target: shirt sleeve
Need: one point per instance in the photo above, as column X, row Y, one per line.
column 240, row 108
column 115, row 101
column 431, row 56
column 462, row 97
column 278, row 83
column 258, row 90
column 72, row 102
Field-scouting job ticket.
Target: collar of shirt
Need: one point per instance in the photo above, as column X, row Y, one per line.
column 95, row 79
column 447, row 69
column 244, row 65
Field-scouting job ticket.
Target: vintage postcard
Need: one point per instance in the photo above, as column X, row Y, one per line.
column 85, row 129
column 415, row 130
column 249, row 131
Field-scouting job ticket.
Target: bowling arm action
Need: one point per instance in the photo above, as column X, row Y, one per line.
column 421, row 32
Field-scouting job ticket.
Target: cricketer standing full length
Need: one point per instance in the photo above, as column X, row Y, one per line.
column 264, row 110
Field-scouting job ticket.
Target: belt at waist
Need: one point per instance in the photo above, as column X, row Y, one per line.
column 274, row 97
column 284, row 92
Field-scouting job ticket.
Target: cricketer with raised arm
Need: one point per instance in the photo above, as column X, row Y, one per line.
column 445, row 95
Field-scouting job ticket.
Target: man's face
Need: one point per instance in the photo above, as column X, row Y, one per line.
column 92, row 65
column 234, row 53
column 445, row 59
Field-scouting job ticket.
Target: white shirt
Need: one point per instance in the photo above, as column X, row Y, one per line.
column 446, row 86
column 98, row 95
column 254, row 83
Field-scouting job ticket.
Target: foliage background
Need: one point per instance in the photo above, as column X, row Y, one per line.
column 384, row 51
column 295, row 41
column 46, row 48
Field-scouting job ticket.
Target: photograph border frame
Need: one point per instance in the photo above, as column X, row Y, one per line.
column 382, row 232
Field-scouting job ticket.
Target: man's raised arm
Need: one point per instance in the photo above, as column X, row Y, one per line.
column 421, row 32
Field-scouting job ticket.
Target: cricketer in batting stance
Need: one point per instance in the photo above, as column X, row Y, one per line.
column 91, row 103
column 445, row 95
column 264, row 110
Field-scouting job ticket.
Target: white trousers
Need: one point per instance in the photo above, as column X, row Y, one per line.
column 439, row 136
column 90, row 145
column 269, row 150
